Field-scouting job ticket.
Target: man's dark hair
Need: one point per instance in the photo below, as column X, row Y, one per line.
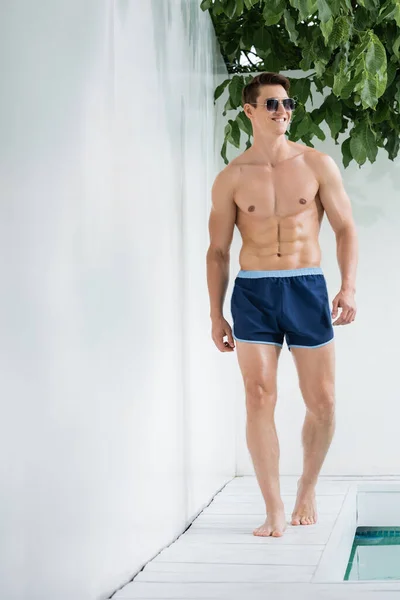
column 251, row 91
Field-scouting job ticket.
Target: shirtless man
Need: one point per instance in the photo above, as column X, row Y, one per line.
column 276, row 192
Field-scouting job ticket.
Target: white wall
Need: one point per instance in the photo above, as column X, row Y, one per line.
column 368, row 393
column 117, row 413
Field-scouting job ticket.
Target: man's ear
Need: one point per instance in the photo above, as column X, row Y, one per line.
column 247, row 108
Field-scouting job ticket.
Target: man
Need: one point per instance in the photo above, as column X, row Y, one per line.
column 276, row 193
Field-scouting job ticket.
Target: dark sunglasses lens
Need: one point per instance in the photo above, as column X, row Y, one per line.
column 272, row 104
column 289, row 104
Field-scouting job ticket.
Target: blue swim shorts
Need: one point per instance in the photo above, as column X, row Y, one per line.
column 268, row 306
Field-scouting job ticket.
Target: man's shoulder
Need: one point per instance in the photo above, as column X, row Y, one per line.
column 237, row 163
column 230, row 172
column 226, row 180
column 313, row 157
column 317, row 157
column 321, row 163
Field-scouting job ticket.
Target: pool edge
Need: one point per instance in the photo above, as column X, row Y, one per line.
column 332, row 566
column 333, row 563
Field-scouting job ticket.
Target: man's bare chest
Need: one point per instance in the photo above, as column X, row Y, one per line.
column 280, row 192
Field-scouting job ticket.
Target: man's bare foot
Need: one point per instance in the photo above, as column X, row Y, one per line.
column 275, row 524
column 305, row 510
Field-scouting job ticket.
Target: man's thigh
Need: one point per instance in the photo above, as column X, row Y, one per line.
column 316, row 370
column 258, row 363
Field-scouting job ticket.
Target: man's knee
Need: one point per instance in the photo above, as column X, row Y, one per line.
column 321, row 402
column 260, row 395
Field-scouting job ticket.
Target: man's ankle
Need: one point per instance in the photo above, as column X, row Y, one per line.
column 309, row 482
column 275, row 505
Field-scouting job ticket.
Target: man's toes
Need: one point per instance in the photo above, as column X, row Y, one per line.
column 303, row 521
column 262, row 531
column 277, row 533
column 295, row 520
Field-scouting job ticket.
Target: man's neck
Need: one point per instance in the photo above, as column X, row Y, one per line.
column 271, row 150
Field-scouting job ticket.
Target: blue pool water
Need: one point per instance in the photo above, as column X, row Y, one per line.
column 375, row 554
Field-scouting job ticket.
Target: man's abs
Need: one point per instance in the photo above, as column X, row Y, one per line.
column 281, row 256
column 279, row 216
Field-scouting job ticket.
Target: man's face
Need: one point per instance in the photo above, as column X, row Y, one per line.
column 275, row 121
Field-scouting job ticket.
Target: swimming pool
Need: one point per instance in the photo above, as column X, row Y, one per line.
column 365, row 542
column 375, row 555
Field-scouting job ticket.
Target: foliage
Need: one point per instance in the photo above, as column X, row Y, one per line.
column 352, row 49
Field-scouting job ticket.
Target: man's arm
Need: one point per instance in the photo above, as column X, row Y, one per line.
column 221, row 225
column 338, row 210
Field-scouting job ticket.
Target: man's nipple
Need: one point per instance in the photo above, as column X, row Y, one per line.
column 251, row 208
column 303, row 201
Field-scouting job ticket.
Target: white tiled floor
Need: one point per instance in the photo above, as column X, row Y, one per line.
column 219, row 558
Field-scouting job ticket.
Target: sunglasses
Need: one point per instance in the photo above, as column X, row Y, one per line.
column 271, row 104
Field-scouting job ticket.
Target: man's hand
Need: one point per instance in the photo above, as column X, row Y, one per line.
column 221, row 329
column 344, row 300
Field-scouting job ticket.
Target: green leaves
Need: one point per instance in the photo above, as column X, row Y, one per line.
column 341, row 77
column 219, row 90
column 262, row 42
column 331, row 111
column 357, row 149
column 250, row 3
column 235, row 91
column 346, row 153
column 304, row 127
column 300, row 89
column 206, row 4
column 363, row 143
column 340, row 32
column 244, row 123
column 352, row 50
column 290, row 25
column 365, row 72
column 397, row 93
column 326, row 28
column 232, row 8
column 392, row 144
column 324, row 11
column 273, row 11
column 375, row 59
column 234, row 133
column 372, row 63
column 390, row 10
column 306, row 8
